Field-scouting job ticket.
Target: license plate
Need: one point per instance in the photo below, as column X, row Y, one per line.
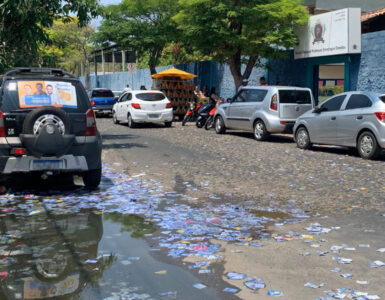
column 37, row 165
column 34, row 289
column 153, row 116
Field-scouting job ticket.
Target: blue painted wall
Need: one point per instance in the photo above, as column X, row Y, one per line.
column 368, row 69
column 209, row 73
column 288, row 71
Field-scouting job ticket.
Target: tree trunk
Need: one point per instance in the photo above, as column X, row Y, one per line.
column 86, row 70
column 235, row 68
column 152, row 68
column 86, row 75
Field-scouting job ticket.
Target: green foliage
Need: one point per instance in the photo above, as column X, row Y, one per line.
column 22, row 24
column 68, row 46
column 241, row 31
column 145, row 26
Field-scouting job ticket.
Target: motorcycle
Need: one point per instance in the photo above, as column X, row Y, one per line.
column 210, row 121
column 192, row 112
column 203, row 114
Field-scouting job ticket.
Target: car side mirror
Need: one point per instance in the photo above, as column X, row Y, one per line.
column 318, row 110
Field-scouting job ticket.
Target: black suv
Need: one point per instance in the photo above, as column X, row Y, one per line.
column 47, row 126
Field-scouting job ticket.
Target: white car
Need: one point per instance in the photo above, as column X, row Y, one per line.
column 142, row 106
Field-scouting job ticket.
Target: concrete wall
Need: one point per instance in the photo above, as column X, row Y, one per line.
column 288, row 71
column 368, row 69
column 209, row 73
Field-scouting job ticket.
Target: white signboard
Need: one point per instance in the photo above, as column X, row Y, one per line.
column 131, row 67
column 333, row 33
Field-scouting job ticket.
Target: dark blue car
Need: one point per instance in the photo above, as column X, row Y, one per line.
column 102, row 100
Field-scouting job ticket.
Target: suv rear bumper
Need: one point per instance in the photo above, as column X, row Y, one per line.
column 107, row 109
column 23, row 164
column 275, row 126
column 89, row 148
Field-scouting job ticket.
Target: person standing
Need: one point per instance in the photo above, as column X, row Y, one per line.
column 213, row 96
column 245, row 82
column 262, row 81
column 127, row 89
column 205, row 91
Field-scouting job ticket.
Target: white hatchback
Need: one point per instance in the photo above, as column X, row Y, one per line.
column 142, row 106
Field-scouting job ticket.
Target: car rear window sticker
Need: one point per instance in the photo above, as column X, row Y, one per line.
column 42, row 93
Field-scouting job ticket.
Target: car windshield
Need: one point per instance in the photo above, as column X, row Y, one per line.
column 28, row 94
column 150, row 96
column 294, row 96
column 102, row 94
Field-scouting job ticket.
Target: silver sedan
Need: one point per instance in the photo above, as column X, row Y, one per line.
column 353, row 119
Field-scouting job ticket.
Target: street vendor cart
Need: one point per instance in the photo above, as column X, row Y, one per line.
column 178, row 86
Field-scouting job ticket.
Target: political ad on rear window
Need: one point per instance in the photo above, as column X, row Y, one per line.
column 41, row 93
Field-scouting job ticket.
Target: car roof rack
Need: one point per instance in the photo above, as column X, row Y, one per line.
column 43, row 71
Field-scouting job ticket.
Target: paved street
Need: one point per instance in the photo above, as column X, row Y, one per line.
column 183, row 213
column 330, row 179
column 333, row 185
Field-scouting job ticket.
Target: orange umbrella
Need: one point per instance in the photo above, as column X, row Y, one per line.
column 173, row 72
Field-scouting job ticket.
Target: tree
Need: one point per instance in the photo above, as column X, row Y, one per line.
column 145, row 26
column 22, row 24
column 69, row 46
column 241, row 31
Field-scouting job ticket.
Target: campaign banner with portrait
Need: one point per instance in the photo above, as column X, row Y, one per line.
column 41, row 93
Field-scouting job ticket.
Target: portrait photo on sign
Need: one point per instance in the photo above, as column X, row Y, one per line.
column 41, row 93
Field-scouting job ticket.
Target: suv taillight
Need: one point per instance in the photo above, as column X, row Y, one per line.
column 169, row 105
column 380, row 116
column 274, row 103
column 2, row 129
column 90, row 123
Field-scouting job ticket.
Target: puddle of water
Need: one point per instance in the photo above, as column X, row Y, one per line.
column 90, row 244
column 132, row 223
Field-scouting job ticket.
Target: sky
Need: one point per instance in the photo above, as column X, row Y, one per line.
column 96, row 22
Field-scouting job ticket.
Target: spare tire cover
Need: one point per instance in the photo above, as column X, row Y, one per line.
column 46, row 132
column 34, row 115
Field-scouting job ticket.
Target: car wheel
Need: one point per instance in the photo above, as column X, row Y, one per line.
column 302, row 138
column 114, row 118
column 220, row 127
column 367, row 146
column 130, row 122
column 260, row 132
column 92, row 178
column 168, row 124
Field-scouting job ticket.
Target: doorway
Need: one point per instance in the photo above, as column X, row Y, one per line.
column 327, row 76
column 331, row 79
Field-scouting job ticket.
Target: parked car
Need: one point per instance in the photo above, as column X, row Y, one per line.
column 264, row 110
column 47, row 126
column 140, row 106
column 117, row 94
column 102, row 101
column 353, row 119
